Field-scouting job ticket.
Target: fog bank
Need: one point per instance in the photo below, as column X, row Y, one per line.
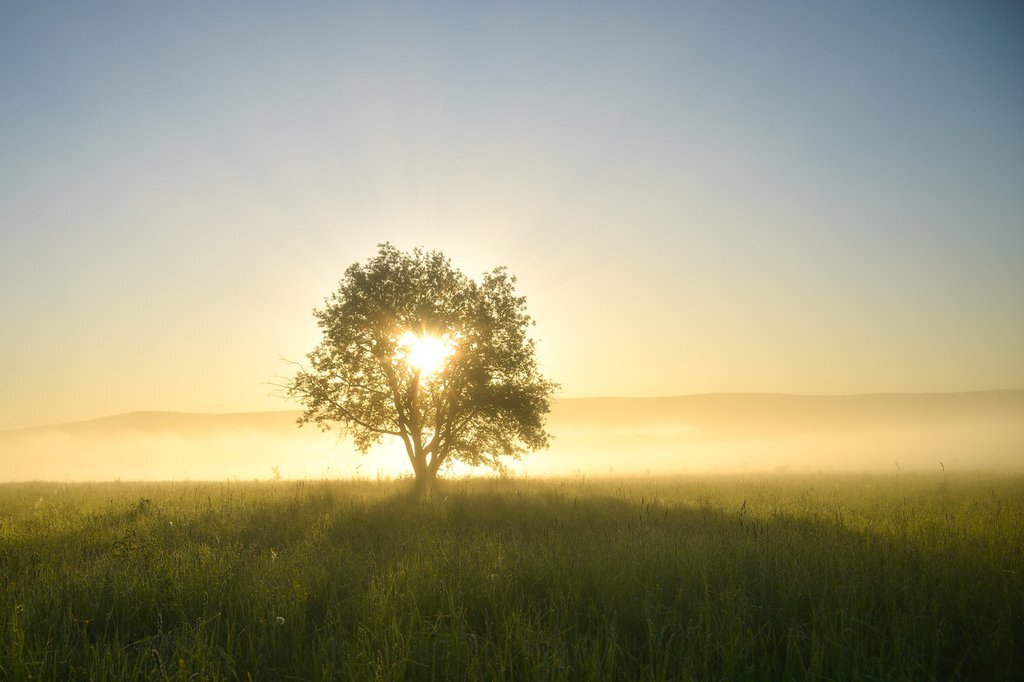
column 724, row 433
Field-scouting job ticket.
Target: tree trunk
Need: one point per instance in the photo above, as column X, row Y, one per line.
column 424, row 485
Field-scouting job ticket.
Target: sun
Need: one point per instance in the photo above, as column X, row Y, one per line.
column 427, row 354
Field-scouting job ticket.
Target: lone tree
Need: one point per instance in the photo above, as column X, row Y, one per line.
column 415, row 349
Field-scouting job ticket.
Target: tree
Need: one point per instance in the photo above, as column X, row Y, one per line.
column 413, row 348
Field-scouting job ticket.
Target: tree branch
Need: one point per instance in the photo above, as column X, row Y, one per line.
column 345, row 412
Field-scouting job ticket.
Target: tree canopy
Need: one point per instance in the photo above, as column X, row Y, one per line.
column 413, row 348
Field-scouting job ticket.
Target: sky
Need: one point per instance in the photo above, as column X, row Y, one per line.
column 813, row 198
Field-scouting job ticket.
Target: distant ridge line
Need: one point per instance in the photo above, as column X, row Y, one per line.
column 728, row 406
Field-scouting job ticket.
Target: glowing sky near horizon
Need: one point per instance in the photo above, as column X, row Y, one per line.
column 695, row 197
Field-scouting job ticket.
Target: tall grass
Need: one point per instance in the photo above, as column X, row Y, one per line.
column 774, row 577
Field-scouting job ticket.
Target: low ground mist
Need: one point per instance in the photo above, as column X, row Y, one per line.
column 692, row 434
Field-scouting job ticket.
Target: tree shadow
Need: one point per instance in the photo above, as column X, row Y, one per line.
column 540, row 571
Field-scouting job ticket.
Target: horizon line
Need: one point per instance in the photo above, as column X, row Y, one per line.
column 76, row 422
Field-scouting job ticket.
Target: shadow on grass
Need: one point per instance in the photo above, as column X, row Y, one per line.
column 504, row 580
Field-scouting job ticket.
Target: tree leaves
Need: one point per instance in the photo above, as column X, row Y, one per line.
column 489, row 400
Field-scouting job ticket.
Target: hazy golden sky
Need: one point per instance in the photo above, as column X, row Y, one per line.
column 696, row 197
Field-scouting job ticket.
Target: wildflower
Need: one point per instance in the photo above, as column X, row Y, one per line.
column 280, row 620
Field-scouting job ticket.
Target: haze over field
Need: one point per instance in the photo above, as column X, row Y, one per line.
column 705, row 433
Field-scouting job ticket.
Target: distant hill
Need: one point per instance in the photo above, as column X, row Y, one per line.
column 758, row 415
column 716, row 415
column 697, row 433
column 185, row 423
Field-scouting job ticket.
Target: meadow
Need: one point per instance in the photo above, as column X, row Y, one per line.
column 820, row 576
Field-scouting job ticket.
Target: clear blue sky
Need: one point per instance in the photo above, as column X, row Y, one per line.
column 789, row 197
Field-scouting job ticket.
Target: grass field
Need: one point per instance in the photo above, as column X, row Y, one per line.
column 772, row 577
